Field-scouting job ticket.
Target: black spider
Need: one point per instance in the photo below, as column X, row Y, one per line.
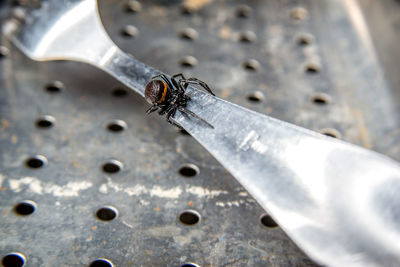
column 168, row 95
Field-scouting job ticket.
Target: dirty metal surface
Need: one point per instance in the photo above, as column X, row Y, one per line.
column 306, row 62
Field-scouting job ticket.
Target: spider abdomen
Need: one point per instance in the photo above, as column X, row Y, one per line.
column 156, row 91
column 167, row 95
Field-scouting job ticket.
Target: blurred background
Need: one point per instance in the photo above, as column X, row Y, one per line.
column 88, row 179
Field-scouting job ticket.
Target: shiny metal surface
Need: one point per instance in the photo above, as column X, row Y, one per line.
column 51, row 33
column 329, row 196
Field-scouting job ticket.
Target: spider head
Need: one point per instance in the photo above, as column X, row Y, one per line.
column 156, row 91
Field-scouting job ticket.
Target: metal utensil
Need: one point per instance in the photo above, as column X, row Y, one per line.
column 329, row 196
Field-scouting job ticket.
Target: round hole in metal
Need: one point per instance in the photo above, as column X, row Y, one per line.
column 304, row 39
column 320, row 99
column 101, row 263
column 189, row 217
column 117, row 126
column 119, row 92
column 13, row 260
column 186, row 10
column 4, row 52
column 54, row 87
column 267, row 221
column 107, row 213
column 330, row 132
column 189, row 34
column 243, row 11
column 130, row 31
column 255, row 97
column 46, row 121
column 113, row 166
column 133, row 6
column 247, row 37
column 189, row 264
column 312, row 68
column 251, row 65
column 36, row 162
column 189, row 170
column 26, row 207
column 188, row 62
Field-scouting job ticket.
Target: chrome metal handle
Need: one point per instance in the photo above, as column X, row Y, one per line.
column 339, row 202
column 128, row 70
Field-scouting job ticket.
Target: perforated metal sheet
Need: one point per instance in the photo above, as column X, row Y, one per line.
column 300, row 61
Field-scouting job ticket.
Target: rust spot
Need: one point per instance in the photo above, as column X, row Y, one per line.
column 90, row 238
column 364, row 136
column 191, row 204
column 75, row 164
column 156, row 209
column 82, row 99
column 5, row 123
column 298, row 13
column 225, row 32
column 363, row 133
column 149, row 165
column 158, row 11
column 3, row 188
column 224, row 93
column 6, row 212
column 149, row 252
column 195, row 4
column 231, row 260
column 264, row 258
column 94, row 228
column 14, row 139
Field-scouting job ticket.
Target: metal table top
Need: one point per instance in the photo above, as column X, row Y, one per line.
column 85, row 174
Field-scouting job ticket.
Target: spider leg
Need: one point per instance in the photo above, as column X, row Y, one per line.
column 170, row 114
column 164, row 109
column 190, row 113
column 178, row 85
column 178, row 75
column 175, row 82
column 197, row 82
column 161, row 75
column 183, row 84
column 164, row 77
column 151, row 109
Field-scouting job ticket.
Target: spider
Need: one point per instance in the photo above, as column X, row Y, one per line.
column 168, row 95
